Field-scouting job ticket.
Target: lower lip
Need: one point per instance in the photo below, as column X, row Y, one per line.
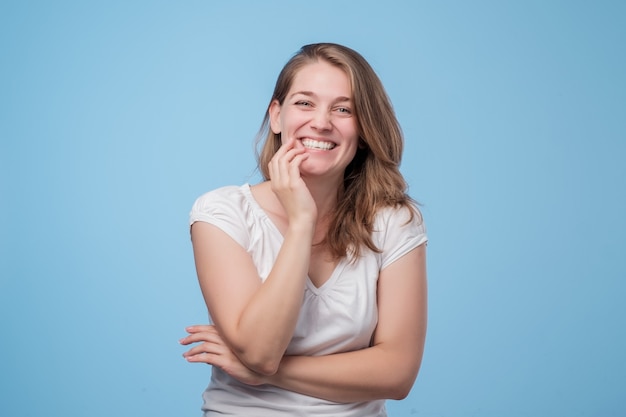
column 317, row 151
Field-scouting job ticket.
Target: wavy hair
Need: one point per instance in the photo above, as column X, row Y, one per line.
column 373, row 179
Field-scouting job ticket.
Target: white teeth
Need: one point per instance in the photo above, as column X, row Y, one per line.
column 316, row 144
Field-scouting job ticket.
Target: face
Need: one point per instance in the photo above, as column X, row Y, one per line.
column 318, row 113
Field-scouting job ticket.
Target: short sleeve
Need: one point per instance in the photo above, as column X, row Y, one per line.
column 224, row 209
column 396, row 233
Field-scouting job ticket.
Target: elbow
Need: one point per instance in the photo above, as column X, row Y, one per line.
column 263, row 360
column 400, row 391
column 400, row 387
column 262, row 364
column 266, row 368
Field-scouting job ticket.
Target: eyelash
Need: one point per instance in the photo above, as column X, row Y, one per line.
column 342, row 110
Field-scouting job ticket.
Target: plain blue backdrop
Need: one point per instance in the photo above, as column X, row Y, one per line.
column 116, row 115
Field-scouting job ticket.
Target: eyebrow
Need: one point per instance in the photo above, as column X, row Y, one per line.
column 312, row 94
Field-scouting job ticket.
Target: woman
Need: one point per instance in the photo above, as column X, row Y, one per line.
column 315, row 279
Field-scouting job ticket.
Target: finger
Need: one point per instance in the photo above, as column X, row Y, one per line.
column 284, row 155
column 199, row 328
column 208, row 358
column 293, row 169
column 283, row 170
column 200, row 338
column 297, row 161
column 284, row 148
column 210, row 335
column 206, row 347
column 282, row 160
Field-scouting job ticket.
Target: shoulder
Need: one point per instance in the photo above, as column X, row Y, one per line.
column 228, row 208
column 224, row 201
column 223, row 195
column 397, row 230
column 398, row 217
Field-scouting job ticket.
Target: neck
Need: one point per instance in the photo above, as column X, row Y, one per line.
column 324, row 193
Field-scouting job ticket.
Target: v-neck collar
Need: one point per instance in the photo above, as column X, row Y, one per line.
column 262, row 214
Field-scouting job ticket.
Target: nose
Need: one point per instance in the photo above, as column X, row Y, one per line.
column 321, row 120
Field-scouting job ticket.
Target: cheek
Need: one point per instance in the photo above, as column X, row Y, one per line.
column 350, row 133
column 296, row 119
column 349, row 128
column 289, row 121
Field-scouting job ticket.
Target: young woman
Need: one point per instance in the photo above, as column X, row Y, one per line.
column 315, row 279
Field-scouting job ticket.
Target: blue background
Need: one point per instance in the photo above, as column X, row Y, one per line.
column 115, row 116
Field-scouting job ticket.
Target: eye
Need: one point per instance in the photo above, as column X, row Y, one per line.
column 303, row 103
column 343, row 110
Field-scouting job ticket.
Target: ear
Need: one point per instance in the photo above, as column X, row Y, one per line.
column 274, row 112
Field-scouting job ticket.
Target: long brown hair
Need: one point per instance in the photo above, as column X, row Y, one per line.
column 373, row 179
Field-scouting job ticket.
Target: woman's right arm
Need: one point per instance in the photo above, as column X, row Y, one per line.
column 257, row 319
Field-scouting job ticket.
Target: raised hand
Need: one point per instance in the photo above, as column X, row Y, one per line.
column 288, row 185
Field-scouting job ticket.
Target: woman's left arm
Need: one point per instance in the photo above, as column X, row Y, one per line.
column 386, row 370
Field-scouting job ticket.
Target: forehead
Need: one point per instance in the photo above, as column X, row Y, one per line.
column 322, row 77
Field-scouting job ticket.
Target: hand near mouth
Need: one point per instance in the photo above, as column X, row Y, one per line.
column 287, row 184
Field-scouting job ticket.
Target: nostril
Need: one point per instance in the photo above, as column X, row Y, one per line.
column 322, row 121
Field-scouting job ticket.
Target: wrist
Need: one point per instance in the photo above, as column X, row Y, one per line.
column 302, row 226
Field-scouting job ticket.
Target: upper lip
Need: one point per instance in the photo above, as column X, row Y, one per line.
column 318, row 139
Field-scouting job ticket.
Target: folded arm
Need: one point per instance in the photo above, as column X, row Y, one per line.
column 255, row 319
column 386, row 370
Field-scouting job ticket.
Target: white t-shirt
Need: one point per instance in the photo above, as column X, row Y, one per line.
column 339, row 316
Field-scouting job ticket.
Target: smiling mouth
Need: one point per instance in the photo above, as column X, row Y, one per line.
column 316, row 144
